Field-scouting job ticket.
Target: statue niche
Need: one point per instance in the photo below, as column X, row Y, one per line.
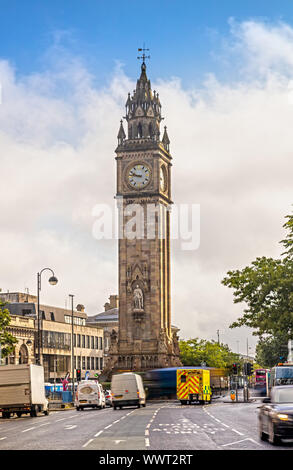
column 138, row 301
column 137, row 298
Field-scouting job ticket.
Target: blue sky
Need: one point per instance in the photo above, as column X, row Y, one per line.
column 183, row 35
column 229, row 116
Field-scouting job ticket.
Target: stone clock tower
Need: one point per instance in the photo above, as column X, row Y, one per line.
column 145, row 338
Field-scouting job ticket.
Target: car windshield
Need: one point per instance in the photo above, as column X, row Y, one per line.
column 284, row 395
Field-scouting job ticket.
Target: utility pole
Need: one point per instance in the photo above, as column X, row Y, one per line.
column 218, row 333
column 72, row 347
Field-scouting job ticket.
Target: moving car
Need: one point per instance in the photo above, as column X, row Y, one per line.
column 108, row 397
column 275, row 417
column 127, row 389
column 89, row 394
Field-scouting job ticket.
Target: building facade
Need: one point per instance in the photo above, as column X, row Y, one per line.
column 56, row 337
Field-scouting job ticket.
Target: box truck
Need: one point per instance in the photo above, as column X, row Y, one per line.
column 22, row 390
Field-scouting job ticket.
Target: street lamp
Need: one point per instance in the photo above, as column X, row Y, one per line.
column 72, row 347
column 53, row 281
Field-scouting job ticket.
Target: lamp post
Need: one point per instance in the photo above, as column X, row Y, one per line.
column 72, row 347
column 53, row 281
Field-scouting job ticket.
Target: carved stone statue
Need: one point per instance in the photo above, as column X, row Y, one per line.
column 138, row 298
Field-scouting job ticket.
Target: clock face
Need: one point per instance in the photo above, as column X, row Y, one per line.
column 163, row 179
column 139, row 176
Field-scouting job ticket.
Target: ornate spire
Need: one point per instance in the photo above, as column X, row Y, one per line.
column 165, row 140
column 143, row 111
column 121, row 134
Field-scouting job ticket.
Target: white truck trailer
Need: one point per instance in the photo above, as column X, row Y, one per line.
column 22, row 390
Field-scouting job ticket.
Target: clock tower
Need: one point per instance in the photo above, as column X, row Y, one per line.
column 145, row 339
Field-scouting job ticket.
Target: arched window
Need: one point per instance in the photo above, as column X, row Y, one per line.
column 150, row 130
column 23, row 354
column 139, row 130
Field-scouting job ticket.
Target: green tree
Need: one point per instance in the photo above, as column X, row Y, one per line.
column 266, row 287
column 7, row 341
column 195, row 351
column 271, row 350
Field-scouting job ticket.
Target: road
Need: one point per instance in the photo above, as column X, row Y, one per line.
column 164, row 425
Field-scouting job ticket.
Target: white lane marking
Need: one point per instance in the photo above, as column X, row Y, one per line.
column 240, row 433
column 147, row 433
column 87, row 443
column 2, row 438
column 29, row 429
column 45, row 424
column 117, row 421
column 68, row 426
column 98, row 433
column 62, row 419
column 120, row 440
column 108, row 426
column 242, row 440
column 147, row 442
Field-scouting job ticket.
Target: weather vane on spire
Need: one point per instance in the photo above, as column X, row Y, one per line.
column 143, row 56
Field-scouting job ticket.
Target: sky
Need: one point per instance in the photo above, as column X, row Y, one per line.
column 224, row 71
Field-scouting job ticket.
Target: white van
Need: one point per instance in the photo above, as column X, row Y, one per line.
column 89, row 394
column 127, row 389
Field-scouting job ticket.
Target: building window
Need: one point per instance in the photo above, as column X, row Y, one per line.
column 96, row 342
column 93, row 363
column 74, row 340
column 83, row 341
column 87, row 342
column 97, row 363
column 78, row 362
column 26, row 311
column 101, row 342
column 56, row 340
column 52, row 316
column 101, row 363
column 43, row 316
column 88, row 363
column 92, row 342
column 83, row 363
column 78, row 341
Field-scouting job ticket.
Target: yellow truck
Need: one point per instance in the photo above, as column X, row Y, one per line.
column 193, row 385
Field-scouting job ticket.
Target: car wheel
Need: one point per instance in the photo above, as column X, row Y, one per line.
column 273, row 439
column 18, row 414
column 262, row 435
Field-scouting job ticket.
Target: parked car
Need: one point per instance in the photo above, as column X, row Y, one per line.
column 108, row 397
column 127, row 389
column 275, row 417
column 89, row 394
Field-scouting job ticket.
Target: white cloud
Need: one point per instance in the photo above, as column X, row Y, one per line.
column 232, row 149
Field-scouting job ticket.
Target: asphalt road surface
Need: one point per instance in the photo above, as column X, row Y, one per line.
column 164, row 425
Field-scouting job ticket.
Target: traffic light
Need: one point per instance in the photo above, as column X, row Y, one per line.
column 78, row 375
column 248, row 368
column 235, row 368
